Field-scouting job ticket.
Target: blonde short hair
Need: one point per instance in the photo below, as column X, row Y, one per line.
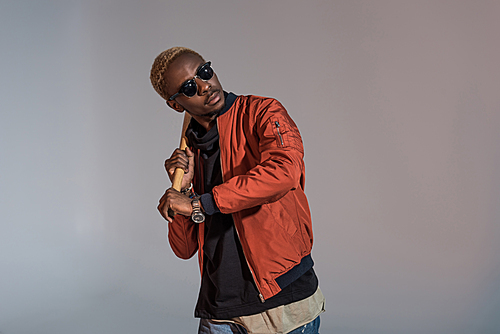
column 160, row 65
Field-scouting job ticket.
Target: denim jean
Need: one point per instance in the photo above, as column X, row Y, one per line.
column 210, row 327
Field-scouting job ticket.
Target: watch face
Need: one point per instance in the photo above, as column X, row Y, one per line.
column 198, row 217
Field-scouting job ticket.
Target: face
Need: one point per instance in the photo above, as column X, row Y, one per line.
column 206, row 104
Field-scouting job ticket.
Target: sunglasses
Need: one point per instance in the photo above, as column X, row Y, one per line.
column 189, row 88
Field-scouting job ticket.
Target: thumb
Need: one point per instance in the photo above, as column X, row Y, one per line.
column 189, row 153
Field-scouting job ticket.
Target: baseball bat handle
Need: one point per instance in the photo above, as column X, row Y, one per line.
column 179, row 172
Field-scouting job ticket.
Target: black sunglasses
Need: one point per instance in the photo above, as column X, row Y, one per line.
column 189, row 88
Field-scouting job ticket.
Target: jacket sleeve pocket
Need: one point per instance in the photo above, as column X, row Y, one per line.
column 286, row 133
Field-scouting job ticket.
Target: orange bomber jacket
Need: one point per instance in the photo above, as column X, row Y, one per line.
column 263, row 171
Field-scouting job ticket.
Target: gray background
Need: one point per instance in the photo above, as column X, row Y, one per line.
column 398, row 104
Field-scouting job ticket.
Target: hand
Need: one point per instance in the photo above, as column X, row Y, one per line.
column 177, row 202
column 184, row 160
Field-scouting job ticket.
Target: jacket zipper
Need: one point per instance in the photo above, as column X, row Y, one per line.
column 279, row 133
column 261, row 297
column 248, row 265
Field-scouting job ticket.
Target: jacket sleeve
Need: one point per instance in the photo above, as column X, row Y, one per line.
column 182, row 236
column 279, row 168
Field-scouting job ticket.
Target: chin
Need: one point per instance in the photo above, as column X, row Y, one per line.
column 217, row 111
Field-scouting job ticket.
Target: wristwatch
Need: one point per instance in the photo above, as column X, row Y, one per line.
column 197, row 216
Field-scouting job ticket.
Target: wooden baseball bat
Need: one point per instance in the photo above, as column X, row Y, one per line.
column 179, row 172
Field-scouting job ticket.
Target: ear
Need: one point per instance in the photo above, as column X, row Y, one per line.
column 176, row 106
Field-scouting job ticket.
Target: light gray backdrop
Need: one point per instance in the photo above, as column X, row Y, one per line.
column 398, row 104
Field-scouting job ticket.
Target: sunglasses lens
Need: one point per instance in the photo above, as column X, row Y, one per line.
column 206, row 72
column 189, row 88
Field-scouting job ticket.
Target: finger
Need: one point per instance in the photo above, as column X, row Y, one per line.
column 167, row 209
column 161, row 211
column 172, row 169
column 179, row 153
column 170, row 191
column 176, row 155
column 161, row 205
column 170, row 214
column 177, row 159
column 177, row 162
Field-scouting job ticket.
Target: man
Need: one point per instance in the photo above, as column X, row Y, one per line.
column 242, row 205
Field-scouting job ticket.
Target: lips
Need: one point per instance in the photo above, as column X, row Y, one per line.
column 213, row 98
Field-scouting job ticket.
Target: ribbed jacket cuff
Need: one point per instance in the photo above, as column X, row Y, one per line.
column 208, row 203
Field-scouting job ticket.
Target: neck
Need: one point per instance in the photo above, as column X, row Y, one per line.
column 206, row 122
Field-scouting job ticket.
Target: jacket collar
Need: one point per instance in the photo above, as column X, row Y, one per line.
column 230, row 98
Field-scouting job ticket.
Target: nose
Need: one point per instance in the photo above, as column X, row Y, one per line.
column 203, row 86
